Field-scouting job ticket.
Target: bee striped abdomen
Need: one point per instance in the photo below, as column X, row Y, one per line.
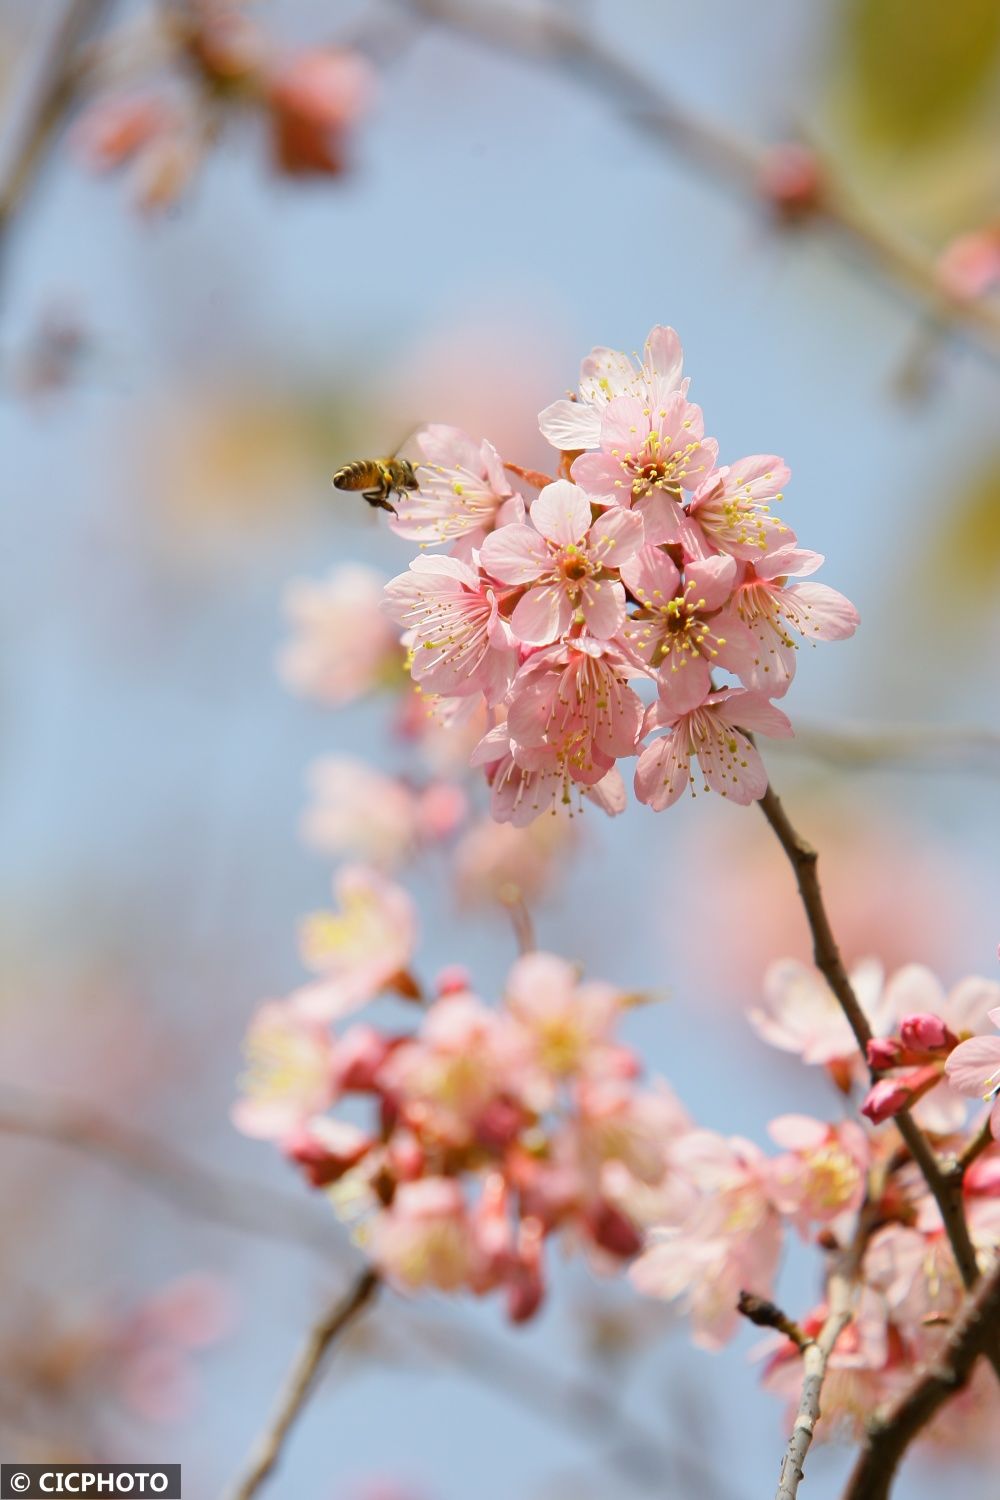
column 377, row 479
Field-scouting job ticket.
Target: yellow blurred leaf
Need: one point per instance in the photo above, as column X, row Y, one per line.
column 914, row 66
column 973, row 553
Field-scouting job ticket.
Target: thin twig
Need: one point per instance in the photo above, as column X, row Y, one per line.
column 841, row 1287
column 815, row 1358
column 48, row 95
column 979, row 1143
column 556, row 39
column 247, row 1206
column 301, row 1381
column 520, row 919
column 911, row 747
column 976, row 1333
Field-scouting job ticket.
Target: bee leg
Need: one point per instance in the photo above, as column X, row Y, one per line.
column 378, row 501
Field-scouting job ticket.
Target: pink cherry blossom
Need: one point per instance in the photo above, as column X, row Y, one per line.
column 730, row 510
column 343, row 646
column 650, row 450
column 526, row 781
column 497, row 862
column 424, row 1239
column 974, row 1069
column 288, row 1077
column 574, row 700
column 729, row 1238
column 359, row 948
column 801, row 1014
column 682, row 628
column 464, row 490
column 821, row 1176
column 771, row 607
column 566, row 1023
column 564, row 555
column 728, row 761
column 606, row 374
column 359, row 813
column 445, row 1079
column 460, row 644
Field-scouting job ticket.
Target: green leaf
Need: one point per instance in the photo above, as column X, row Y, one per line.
column 915, row 66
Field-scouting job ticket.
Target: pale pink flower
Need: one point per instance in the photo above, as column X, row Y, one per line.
column 445, row 1079
column 574, row 700
column 651, row 450
column 495, row 861
column 605, row 374
column 460, row 644
column 567, row 1023
column 974, row 1069
column 565, row 556
column 771, row 607
column 728, row 761
column 342, row 646
column 801, row 1014
column 729, row 1240
column 682, row 628
column 359, row 813
column 821, row 1176
column 288, row 1077
column 424, row 1239
column 730, row 510
column 359, row 949
column 528, row 781
column 464, row 490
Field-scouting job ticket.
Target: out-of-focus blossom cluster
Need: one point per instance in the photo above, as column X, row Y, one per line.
column 932, row 1050
column 646, row 563
column 489, row 1129
column 175, row 83
column 63, row 1380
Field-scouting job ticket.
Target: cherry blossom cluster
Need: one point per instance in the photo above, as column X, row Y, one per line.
column 343, row 648
column 647, row 562
column 488, row 1129
column 936, row 1050
column 199, row 63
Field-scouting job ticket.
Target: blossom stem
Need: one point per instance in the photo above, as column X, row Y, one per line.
column 976, row 1333
column 302, row 1379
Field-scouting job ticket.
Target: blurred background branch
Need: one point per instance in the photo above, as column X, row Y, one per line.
column 556, row 39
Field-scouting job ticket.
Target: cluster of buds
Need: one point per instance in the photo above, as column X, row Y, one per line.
column 646, row 563
column 201, row 62
column 489, row 1129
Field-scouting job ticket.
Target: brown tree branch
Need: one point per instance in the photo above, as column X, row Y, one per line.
column 944, row 1187
column 976, row 1333
column 556, row 39
column 301, row 1381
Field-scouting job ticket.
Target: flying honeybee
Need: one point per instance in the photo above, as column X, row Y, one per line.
column 377, row 479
